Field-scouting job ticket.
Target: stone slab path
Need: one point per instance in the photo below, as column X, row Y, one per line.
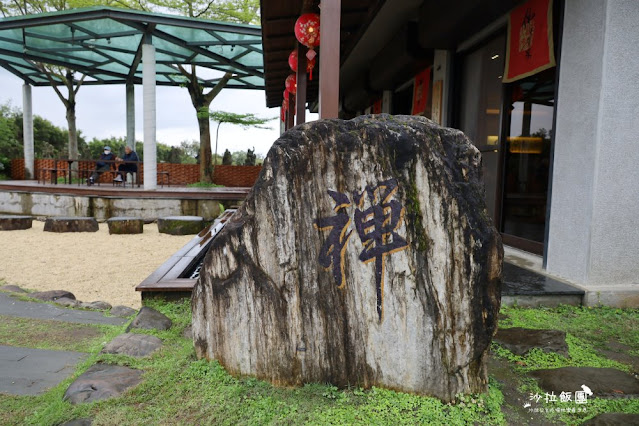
column 26, row 371
column 17, row 308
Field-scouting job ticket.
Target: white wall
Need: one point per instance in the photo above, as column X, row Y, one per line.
column 594, row 221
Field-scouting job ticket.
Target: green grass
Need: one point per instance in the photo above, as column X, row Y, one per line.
column 588, row 331
column 179, row 389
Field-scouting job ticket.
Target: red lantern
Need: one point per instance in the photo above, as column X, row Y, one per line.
column 291, row 83
column 307, row 32
column 292, row 60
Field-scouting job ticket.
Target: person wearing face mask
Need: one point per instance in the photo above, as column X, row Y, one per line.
column 102, row 165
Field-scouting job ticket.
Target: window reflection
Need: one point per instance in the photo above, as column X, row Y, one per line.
column 527, row 157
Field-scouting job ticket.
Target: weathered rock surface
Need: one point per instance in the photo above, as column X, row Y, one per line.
column 125, row 225
column 521, row 340
column 12, row 289
column 602, row 382
column 122, row 311
column 71, row 224
column 98, row 305
column 14, row 223
column 65, row 301
column 614, row 419
column 52, row 295
column 131, row 344
column 150, row 319
column 181, row 225
column 102, row 381
column 363, row 256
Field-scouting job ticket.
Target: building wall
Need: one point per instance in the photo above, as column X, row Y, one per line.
column 594, row 220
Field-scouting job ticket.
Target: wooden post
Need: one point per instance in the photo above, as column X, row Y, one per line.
column 290, row 114
column 329, row 58
column 301, row 84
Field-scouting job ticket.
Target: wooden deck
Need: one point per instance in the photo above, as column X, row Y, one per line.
column 108, row 190
column 169, row 281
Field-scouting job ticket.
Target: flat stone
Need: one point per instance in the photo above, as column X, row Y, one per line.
column 150, row 319
column 125, row 225
column 603, row 382
column 65, row 301
column 12, row 289
column 122, row 311
column 137, row 345
column 17, row 308
column 26, row 371
column 71, row 224
column 78, row 422
column 521, row 340
column 52, row 295
column 614, row 419
column 102, row 381
column 181, row 225
column 98, row 305
column 14, row 223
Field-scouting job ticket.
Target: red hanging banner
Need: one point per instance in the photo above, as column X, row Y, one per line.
column 377, row 107
column 530, row 47
column 420, row 92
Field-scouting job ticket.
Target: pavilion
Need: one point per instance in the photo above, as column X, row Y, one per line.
column 122, row 46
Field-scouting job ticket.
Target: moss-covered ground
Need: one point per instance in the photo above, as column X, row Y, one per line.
column 179, row 389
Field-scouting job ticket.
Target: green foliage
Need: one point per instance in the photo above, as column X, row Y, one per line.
column 204, row 185
column 246, row 120
column 235, row 11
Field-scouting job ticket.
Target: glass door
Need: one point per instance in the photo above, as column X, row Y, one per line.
column 527, row 156
column 480, row 111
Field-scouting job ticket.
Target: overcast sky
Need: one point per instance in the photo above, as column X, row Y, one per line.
column 101, row 113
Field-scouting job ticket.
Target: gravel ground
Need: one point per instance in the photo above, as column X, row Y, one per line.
column 91, row 265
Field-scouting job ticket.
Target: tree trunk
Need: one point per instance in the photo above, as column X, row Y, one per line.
column 73, row 134
column 206, row 163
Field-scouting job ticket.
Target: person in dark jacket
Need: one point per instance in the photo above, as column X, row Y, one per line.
column 102, row 165
column 126, row 167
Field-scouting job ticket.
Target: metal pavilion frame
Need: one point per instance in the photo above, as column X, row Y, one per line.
column 122, row 46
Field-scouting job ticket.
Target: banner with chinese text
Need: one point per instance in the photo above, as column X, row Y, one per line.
column 529, row 49
column 420, row 92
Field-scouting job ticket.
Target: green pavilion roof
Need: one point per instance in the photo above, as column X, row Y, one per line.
column 105, row 43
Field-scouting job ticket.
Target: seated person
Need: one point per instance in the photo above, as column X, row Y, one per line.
column 102, row 165
column 129, row 155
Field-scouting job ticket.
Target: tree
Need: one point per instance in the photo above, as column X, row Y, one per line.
column 235, row 11
column 246, row 120
column 55, row 74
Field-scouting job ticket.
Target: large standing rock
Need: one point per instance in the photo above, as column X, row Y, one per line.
column 363, row 256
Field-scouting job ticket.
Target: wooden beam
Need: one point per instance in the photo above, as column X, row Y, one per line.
column 329, row 59
column 301, row 84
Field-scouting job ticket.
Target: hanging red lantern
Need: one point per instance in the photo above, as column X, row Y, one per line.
column 292, row 60
column 307, row 32
column 291, row 83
